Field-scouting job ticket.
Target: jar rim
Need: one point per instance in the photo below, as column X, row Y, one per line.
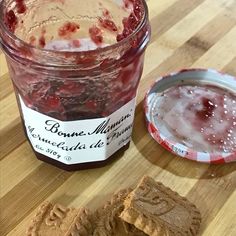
column 116, row 45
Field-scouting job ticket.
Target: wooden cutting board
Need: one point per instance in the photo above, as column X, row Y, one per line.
column 196, row 33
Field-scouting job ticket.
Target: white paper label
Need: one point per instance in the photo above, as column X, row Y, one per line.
column 73, row 142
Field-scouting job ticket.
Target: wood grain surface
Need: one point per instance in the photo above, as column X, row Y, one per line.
column 185, row 33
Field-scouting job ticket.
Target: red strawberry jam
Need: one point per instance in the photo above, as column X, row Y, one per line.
column 20, row 6
column 11, row 20
column 32, row 40
column 106, row 14
column 70, row 82
column 42, row 39
column 202, row 118
column 108, row 24
column 10, row 16
column 68, row 28
column 96, row 35
column 131, row 23
column 207, row 110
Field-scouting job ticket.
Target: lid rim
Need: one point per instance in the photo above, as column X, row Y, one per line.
column 178, row 148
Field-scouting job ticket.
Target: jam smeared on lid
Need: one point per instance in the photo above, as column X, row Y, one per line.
column 207, row 110
column 202, row 118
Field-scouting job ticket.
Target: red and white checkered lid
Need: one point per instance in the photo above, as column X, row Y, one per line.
column 186, row 76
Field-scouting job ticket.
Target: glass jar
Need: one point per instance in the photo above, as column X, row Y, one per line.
column 75, row 72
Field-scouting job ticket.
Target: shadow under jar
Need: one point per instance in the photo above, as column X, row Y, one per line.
column 75, row 67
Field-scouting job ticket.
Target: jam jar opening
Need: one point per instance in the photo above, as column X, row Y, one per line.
column 77, row 72
column 65, row 45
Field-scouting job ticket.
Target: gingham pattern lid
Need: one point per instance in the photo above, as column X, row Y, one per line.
column 203, row 75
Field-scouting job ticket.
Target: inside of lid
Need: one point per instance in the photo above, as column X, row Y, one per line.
column 195, row 111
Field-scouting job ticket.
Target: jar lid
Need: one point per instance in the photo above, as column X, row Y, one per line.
column 192, row 113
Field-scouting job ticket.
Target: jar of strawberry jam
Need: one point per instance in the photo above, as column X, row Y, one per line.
column 75, row 67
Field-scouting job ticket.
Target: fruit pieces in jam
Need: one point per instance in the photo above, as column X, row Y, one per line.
column 108, row 26
column 71, row 99
column 201, row 118
column 80, row 99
